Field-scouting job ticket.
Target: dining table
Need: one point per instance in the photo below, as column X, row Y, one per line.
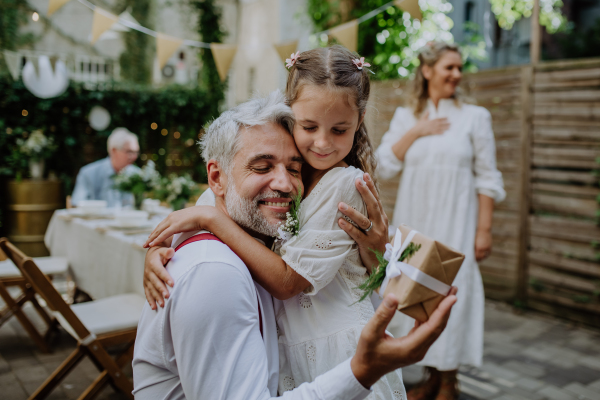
column 105, row 258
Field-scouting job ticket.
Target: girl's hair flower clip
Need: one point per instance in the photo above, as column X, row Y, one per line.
column 292, row 60
column 360, row 63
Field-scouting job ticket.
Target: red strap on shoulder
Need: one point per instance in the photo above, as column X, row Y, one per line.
column 196, row 238
column 210, row 236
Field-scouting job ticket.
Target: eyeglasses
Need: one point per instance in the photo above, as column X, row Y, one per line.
column 131, row 153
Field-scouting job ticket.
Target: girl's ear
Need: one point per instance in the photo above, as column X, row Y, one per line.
column 361, row 119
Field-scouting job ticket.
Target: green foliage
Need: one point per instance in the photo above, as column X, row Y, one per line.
column 537, row 285
column 580, row 44
column 137, row 60
column 176, row 190
column 377, row 277
column 510, row 11
column 390, row 41
column 13, row 13
column 210, row 30
column 135, row 107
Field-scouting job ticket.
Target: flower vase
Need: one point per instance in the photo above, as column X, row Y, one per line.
column 138, row 199
column 36, row 169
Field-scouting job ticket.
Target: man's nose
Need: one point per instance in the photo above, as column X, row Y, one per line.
column 282, row 180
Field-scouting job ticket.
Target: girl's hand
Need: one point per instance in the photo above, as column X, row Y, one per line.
column 483, row 244
column 155, row 275
column 189, row 219
column 426, row 127
column 377, row 237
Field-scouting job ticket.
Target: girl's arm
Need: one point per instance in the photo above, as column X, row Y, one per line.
column 266, row 267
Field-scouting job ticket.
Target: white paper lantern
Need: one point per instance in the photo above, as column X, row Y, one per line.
column 99, row 118
column 47, row 83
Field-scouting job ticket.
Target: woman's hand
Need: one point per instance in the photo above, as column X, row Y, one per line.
column 377, row 237
column 189, row 219
column 427, row 127
column 483, row 244
column 155, row 275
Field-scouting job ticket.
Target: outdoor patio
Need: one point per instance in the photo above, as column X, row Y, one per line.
column 528, row 356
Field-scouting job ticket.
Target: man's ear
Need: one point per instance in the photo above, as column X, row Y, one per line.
column 217, row 179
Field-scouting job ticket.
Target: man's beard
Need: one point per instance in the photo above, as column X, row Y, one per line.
column 246, row 212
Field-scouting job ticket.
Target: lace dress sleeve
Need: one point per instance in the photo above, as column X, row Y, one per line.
column 321, row 247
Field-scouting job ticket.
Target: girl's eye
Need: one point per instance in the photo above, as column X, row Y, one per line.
column 309, row 128
column 340, row 131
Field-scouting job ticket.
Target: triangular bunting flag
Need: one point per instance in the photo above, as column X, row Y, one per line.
column 346, row 34
column 411, row 7
column 53, row 60
column 165, row 47
column 54, row 5
column 13, row 62
column 223, row 55
column 285, row 49
column 102, row 21
column 36, row 64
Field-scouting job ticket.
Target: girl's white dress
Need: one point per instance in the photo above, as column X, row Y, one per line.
column 320, row 328
column 441, row 178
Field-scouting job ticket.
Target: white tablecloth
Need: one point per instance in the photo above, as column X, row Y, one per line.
column 104, row 262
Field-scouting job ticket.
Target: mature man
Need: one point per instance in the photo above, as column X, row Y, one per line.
column 216, row 336
column 94, row 180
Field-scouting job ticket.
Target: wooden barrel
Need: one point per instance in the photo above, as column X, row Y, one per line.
column 29, row 207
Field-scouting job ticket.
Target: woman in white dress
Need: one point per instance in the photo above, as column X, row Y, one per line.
column 445, row 151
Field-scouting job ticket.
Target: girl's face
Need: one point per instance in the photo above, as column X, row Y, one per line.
column 325, row 125
column 445, row 75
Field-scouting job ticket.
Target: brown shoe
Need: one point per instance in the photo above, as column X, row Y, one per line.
column 428, row 389
column 449, row 386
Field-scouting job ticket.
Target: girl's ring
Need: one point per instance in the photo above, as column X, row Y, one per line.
column 370, row 227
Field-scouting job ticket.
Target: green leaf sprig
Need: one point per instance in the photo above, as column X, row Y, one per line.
column 376, row 278
column 292, row 221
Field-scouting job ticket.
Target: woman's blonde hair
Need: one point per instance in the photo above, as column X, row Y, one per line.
column 429, row 55
column 334, row 68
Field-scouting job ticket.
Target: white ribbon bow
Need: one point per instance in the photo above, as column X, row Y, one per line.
column 396, row 268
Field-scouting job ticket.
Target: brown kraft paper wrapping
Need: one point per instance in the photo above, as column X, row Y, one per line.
column 434, row 259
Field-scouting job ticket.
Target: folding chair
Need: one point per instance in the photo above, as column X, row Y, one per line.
column 95, row 325
column 11, row 276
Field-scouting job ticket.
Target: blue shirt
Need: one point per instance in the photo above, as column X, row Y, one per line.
column 94, row 182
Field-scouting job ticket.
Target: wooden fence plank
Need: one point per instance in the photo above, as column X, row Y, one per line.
column 584, row 192
column 564, row 205
column 564, row 228
column 584, row 268
column 563, row 176
column 560, row 279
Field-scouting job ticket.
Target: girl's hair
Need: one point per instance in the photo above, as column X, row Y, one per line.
column 333, row 68
column 429, row 55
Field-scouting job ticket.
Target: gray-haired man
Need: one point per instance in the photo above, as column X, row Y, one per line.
column 216, row 336
column 94, row 180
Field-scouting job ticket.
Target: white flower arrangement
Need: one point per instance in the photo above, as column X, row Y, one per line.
column 137, row 182
column 291, row 226
column 177, row 190
column 37, row 146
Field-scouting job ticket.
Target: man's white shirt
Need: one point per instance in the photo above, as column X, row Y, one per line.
column 206, row 342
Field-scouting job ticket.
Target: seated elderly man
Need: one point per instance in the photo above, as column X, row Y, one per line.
column 216, row 336
column 94, row 180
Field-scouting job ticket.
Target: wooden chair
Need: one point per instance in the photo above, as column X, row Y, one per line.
column 95, row 325
column 11, row 276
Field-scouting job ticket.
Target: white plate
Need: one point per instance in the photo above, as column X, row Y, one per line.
column 79, row 212
column 117, row 225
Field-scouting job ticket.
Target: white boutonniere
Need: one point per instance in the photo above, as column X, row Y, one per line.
column 291, row 226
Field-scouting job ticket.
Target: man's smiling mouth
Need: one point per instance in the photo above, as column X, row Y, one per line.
column 273, row 204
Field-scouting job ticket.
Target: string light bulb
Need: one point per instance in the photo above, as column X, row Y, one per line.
column 153, row 126
column 35, row 16
column 176, row 135
column 24, row 113
column 164, row 132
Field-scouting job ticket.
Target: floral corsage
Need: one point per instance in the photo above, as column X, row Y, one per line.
column 291, row 226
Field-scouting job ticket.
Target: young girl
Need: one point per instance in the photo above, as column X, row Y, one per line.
column 327, row 89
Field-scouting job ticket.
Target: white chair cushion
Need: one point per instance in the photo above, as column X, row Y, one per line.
column 48, row 265
column 111, row 314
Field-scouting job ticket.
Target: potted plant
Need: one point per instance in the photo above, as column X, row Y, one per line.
column 38, row 148
column 138, row 182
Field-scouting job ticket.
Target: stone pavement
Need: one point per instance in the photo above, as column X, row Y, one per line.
column 528, row 356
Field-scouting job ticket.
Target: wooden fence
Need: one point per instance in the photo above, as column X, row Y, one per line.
column 546, row 120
